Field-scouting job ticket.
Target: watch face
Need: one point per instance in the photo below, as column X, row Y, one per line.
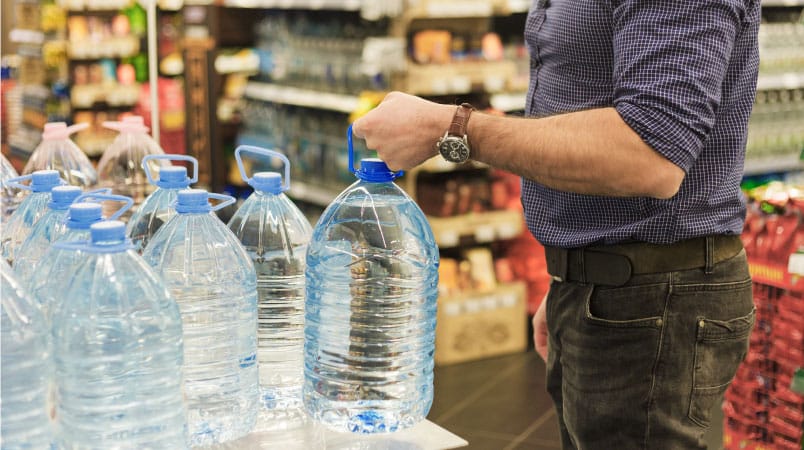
column 453, row 149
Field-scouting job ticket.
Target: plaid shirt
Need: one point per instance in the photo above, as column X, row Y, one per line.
column 682, row 74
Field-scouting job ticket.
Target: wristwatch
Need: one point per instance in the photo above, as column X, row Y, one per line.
column 454, row 145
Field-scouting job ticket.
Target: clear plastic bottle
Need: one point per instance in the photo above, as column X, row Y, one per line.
column 56, row 264
column 58, row 152
column 10, row 197
column 120, row 166
column 44, row 231
column 276, row 234
column 212, row 278
column 32, row 208
column 372, row 278
column 27, row 369
column 158, row 208
column 117, row 345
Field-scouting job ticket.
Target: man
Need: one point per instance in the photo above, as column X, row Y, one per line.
column 631, row 160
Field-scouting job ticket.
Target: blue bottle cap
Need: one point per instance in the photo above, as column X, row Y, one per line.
column 270, row 182
column 82, row 215
column 44, row 180
column 192, row 201
column 374, row 170
column 62, row 196
column 109, row 231
column 173, row 177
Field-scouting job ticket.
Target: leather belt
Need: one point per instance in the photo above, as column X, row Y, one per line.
column 613, row 265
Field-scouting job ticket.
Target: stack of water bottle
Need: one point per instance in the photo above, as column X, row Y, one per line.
column 175, row 330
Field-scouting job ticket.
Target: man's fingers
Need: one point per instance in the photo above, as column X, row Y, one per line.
column 357, row 129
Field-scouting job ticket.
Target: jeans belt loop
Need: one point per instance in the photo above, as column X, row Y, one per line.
column 709, row 255
column 582, row 264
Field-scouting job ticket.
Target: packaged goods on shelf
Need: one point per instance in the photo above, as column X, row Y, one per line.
column 478, row 324
column 760, row 409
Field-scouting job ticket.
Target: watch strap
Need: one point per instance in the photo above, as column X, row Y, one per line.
column 460, row 120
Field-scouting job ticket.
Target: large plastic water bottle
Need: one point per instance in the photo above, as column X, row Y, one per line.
column 275, row 234
column 27, row 368
column 117, row 342
column 32, row 208
column 58, row 152
column 372, row 278
column 56, row 264
column 120, row 166
column 44, row 231
column 158, row 208
column 212, row 278
column 10, row 198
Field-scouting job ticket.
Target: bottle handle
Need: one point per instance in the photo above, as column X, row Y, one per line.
column 75, row 128
column 128, row 202
column 225, row 200
column 16, row 182
column 147, row 169
column 351, row 147
column 265, row 152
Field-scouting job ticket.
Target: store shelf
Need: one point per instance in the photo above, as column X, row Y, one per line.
column 457, row 77
column 84, row 6
column 450, row 9
column 770, row 164
column 310, row 193
column 335, row 5
column 301, row 97
column 22, row 36
column 119, row 47
column 477, row 227
column 774, row 274
column 480, row 324
column 508, row 102
column 789, row 80
column 766, row 3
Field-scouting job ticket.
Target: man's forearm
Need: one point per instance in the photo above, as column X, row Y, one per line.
column 587, row 152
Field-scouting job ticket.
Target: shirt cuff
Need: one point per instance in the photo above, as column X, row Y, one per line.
column 666, row 136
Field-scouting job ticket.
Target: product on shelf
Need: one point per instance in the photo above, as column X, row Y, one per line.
column 44, row 232
column 120, row 167
column 117, row 342
column 158, row 208
column 370, row 320
column 276, row 235
column 57, row 264
column 11, row 198
column 27, row 362
column 32, row 208
column 212, row 278
column 760, row 409
column 58, row 152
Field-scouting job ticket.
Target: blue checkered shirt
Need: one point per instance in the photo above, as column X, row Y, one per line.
column 682, row 74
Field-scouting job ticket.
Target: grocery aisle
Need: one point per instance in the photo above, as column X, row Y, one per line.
column 500, row 404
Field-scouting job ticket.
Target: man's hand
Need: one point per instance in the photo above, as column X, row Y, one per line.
column 404, row 129
column 540, row 329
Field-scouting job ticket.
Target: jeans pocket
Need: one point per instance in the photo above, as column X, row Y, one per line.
column 720, row 347
column 627, row 307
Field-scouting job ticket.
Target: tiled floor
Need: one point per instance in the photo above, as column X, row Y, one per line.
column 501, row 404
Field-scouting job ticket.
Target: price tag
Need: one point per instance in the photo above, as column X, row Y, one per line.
column 795, row 264
column 448, row 239
column 452, row 309
column 484, row 233
column 472, row 306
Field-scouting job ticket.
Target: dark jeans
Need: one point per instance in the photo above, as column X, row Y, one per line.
column 641, row 366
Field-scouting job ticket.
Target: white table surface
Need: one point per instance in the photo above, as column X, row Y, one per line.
column 310, row 436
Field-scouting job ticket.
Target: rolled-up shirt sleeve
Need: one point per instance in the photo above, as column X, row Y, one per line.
column 670, row 60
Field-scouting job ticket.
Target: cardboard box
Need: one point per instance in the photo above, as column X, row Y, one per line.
column 482, row 324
